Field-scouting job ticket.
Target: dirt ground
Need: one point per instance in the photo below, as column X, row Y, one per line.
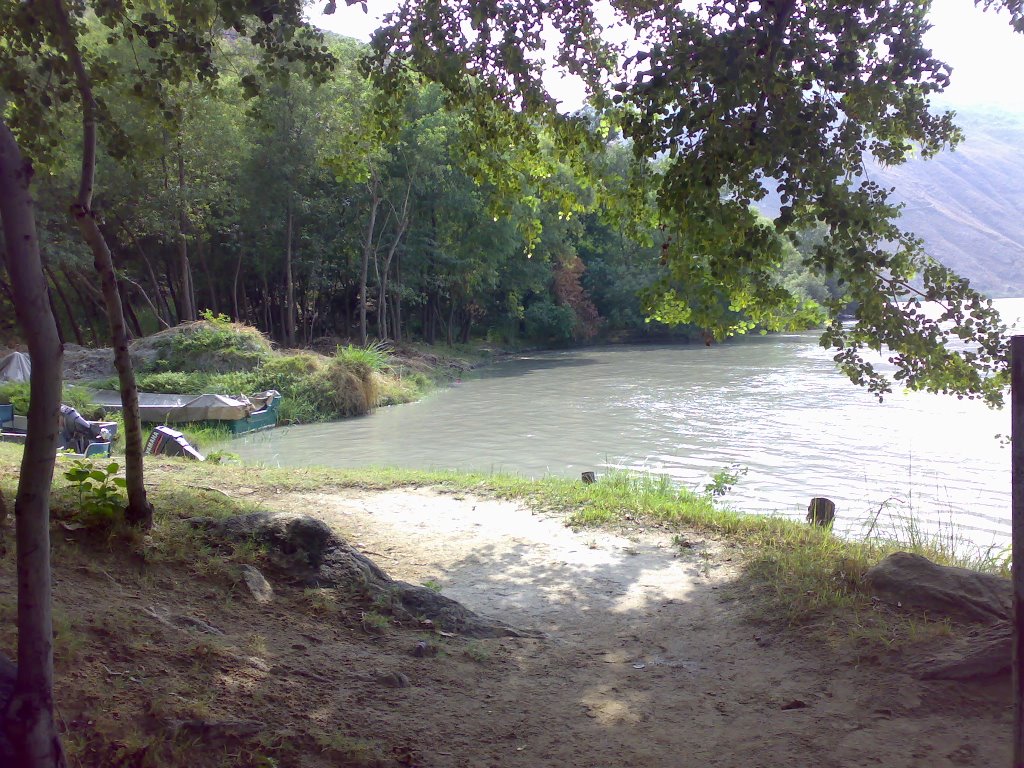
column 646, row 658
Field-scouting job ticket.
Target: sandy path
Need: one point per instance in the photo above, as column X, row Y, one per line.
column 646, row 659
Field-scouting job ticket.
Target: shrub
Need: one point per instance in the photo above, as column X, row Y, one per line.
column 550, row 323
column 375, row 357
column 17, row 393
column 213, row 345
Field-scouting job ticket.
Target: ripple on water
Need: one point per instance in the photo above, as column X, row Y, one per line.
column 775, row 405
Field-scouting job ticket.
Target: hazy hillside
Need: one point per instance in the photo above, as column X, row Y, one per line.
column 968, row 205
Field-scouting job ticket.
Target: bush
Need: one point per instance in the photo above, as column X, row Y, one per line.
column 375, row 357
column 211, row 345
column 17, row 393
column 550, row 323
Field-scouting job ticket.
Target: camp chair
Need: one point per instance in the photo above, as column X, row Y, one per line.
column 97, row 449
column 6, row 415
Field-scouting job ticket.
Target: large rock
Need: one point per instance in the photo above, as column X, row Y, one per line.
column 309, row 550
column 916, row 583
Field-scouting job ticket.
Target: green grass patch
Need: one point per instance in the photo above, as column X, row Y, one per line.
column 789, row 572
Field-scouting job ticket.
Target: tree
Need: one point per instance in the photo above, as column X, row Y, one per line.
column 737, row 98
column 29, row 715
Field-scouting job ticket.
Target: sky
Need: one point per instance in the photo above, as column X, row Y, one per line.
column 987, row 56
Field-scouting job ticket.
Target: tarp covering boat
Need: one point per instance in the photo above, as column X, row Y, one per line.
column 15, row 367
column 184, row 409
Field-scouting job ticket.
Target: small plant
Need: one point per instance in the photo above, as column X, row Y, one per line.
column 723, row 480
column 375, row 623
column 100, row 496
column 433, row 586
column 478, row 652
column 223, row 457
column 322, row 601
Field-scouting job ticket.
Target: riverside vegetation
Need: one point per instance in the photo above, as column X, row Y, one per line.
column 795, row 579
column 217, row 356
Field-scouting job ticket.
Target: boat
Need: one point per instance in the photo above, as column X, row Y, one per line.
column 240, row 413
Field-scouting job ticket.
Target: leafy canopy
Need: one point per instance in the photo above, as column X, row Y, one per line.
column 737, row 100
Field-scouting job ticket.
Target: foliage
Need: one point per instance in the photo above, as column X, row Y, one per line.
column 723, row 480
column 215, row 344
column 79, row 398
column 100, row 491
column 372, row 358
column 722, row 102
column 550, row 323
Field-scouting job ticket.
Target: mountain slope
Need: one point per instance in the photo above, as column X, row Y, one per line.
column 968, row 204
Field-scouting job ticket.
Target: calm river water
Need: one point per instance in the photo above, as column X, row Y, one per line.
column 774, row 405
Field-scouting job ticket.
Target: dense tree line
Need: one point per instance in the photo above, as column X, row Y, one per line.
column 282, row 201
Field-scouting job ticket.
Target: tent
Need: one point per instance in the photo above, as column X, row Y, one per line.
column 15, row 367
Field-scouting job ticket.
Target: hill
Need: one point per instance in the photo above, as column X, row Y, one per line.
column 968, row 204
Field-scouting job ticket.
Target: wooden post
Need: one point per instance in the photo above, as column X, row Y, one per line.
column 1017, row 551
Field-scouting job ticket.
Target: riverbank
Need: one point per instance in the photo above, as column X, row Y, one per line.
column 670, row 627
column 215, row 356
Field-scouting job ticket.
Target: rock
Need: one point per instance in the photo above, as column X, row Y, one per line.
column 309, row 550
column 424, row 650
column 915, row 583
column 182, row 622
column 821, row 511
column 257, row 584
column 794, row 704
column 989, row 654
column 393, row 680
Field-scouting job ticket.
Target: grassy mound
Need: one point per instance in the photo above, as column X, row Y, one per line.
column 211, row 345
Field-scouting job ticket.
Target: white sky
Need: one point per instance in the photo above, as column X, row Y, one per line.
column 987, row 56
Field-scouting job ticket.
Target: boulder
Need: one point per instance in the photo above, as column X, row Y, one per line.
column 307, row 549
column 257, row 584
column 916, row 583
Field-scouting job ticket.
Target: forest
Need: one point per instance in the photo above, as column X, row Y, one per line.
column 280, row 201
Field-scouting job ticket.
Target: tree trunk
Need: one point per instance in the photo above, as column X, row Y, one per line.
column 56, row 318
column 162, row 308
column 86, row 306
column 234, row 287
column 29, row 715
column 169, row 274
column 289, row 284
column 75, row 329
column 139, row 512
column 188, row 309
column 211, row 286
column 126, row 300
column 375, row 200
column 396, row 304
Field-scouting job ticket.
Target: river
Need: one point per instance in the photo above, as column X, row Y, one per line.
column 774, row 405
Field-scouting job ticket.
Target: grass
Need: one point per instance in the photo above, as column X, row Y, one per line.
column 798, row 574
column 792, row 574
